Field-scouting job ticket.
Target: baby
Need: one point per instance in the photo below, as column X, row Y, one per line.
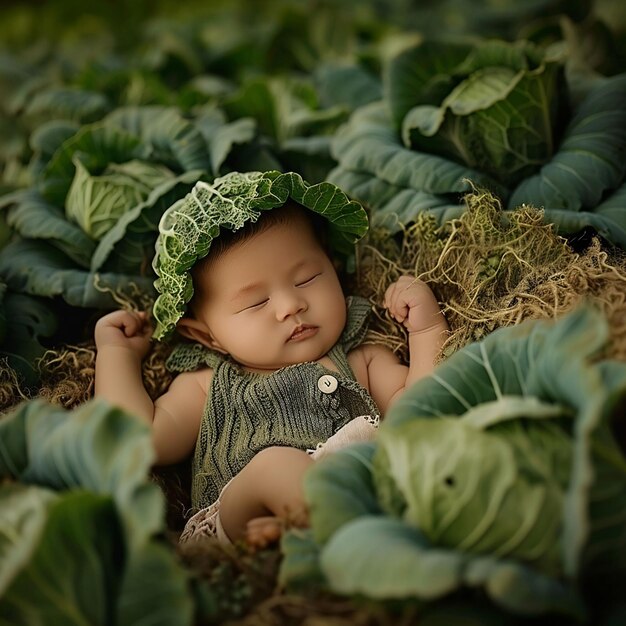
column 275, row 373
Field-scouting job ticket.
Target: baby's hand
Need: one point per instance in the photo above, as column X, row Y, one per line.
column 125, row 329
column 411, row 302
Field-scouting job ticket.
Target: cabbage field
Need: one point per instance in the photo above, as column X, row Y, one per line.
column 487, row 141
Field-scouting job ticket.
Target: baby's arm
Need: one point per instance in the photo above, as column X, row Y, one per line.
column 122, row 341
column 412, row 303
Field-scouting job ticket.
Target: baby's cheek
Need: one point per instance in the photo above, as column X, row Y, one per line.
column 259, row 336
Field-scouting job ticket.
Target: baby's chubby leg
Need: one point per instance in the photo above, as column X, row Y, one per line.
column 269, row 486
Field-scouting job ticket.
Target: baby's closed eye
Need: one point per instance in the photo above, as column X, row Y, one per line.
column 308, row 280
column 256, row 305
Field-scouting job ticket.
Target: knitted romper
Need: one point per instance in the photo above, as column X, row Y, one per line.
column 300, row 406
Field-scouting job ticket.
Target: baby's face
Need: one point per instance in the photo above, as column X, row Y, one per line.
column 274, row 299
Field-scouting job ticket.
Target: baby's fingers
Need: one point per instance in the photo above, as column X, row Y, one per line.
column 395, row 303
column 135, row 323
column 127, row 322
column 390, row 295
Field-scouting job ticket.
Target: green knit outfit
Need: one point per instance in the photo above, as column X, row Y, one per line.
column 246, row 411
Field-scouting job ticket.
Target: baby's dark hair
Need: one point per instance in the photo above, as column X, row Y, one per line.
column 267, row 219
column 228, row 238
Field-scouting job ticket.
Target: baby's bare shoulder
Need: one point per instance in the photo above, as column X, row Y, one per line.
column 367, row 352
column 361, row 358
column 178, row 415
column 190, row 381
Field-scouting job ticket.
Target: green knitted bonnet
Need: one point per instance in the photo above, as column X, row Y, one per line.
column 188, row 227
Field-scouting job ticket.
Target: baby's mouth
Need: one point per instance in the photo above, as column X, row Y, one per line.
column 304, row 331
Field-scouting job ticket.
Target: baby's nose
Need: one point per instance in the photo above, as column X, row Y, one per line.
column 290, row 304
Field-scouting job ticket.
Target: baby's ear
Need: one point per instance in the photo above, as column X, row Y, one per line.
column 198, row 331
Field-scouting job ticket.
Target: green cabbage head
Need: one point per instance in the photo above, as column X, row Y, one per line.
column 500, row 472
column 96, row 203
column 491, row 106
column 473, row 490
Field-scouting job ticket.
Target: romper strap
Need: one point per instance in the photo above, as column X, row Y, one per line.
column 190, row 356
column 359, row 310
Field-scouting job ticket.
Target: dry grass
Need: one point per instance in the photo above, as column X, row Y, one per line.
column 492, row 268
column 11, row 392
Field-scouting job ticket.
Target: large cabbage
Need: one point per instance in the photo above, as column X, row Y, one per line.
column 96, row 203
column 491, row 106
column 87, row 226
column 500, row 471
column 497, row 114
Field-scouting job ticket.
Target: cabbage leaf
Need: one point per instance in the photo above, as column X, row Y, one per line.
column 37, row 268
column 80, row 528
column 25, row 323
column 397, row 183
column 38, row 219
column 588, row 167
column 50, row 542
